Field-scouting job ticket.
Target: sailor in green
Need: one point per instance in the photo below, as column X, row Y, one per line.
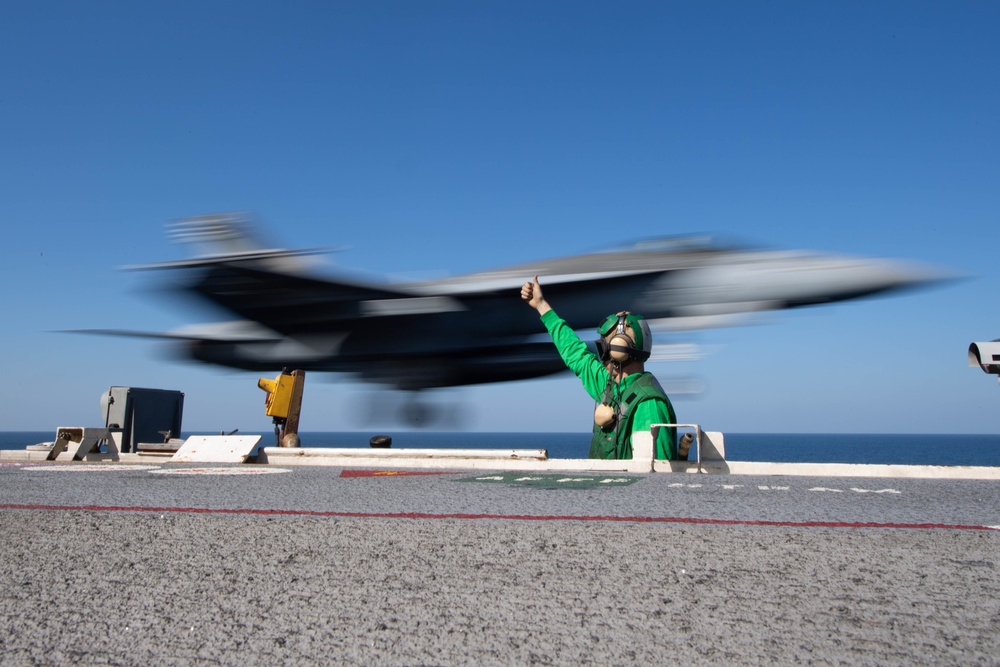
column 629, row 399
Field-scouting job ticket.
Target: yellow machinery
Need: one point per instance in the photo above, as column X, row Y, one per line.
column 279, row 395
column 284, row 404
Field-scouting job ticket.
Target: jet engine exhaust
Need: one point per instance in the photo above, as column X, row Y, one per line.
column 411, row 410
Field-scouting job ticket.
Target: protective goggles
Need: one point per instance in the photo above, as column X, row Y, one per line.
column 604, row 350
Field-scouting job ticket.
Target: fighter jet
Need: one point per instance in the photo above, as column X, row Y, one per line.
column 474, row 329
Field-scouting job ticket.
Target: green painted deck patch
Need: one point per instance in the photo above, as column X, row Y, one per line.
column 562, row 481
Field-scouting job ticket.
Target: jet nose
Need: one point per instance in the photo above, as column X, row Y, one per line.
column 888, row 275
column 776, row 280
column 836, row 278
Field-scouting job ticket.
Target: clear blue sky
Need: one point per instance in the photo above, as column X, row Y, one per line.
column 436, row 138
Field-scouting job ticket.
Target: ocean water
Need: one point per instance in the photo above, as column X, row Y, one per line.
column 921, row 449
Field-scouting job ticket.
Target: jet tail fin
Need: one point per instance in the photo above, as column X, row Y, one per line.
column 229, row 238
column 217, row 234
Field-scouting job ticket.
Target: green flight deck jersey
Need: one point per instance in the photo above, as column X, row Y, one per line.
column 638, row 399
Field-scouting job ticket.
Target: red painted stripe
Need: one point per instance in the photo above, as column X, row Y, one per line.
column 508, row 517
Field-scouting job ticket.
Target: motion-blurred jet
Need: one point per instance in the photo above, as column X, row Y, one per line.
column 474, row 329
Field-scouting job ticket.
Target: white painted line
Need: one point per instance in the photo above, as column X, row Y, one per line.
column 93, row 467
column 875, row 490
column 219, row 471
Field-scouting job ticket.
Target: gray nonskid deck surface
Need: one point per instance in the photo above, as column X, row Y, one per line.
column 114, row 588
column 176, row 587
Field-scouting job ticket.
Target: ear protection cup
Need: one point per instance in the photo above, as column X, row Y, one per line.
column 621, row 348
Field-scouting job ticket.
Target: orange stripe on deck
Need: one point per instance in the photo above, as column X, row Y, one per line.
column 333, row 514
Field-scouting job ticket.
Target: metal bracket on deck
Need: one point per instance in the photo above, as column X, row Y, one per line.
column 81, row 441
column 709, row 446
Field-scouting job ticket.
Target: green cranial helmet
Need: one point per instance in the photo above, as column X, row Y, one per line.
column 624, row 336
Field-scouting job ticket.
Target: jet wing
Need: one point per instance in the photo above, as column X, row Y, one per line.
column 230, row 258
column 226, row 332
column 275, row 287
column 291, row 303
